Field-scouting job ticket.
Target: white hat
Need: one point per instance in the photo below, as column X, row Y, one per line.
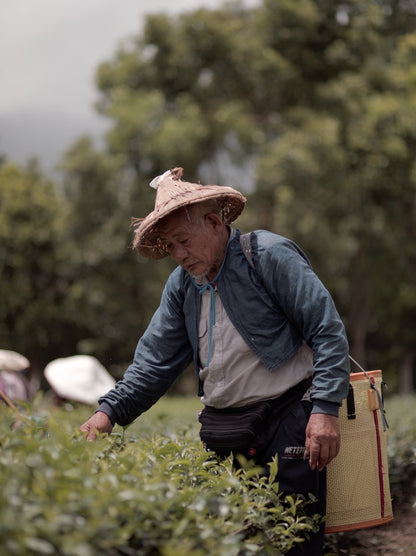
column 12, row 361
column 172, row 193
column 80, row 378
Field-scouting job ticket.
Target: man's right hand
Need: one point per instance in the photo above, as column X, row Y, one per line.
column 98, row 424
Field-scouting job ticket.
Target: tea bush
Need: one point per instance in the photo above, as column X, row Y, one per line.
column 151, row 489
column 133, row 493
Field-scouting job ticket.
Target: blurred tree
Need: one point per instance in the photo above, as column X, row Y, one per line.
column 343, row 168
column 308, row 105
column 33, row 283
column 350, row 187
column 112, row 295
column 396, row 302
column 179, row 94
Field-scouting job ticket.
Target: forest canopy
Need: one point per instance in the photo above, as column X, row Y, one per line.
column 308, row 107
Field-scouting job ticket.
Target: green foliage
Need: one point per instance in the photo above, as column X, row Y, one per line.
column 32, row 277
column 127, row 494
column 309, row 106
column 151, row 489
column 401, row 447
column 341, row 166
column 107, row 280
column 162, row 93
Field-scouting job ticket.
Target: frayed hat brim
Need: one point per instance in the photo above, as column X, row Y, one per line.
column 173, row 194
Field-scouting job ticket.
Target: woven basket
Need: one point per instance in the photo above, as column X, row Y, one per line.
column 358, row 481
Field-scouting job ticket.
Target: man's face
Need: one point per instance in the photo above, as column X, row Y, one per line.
column 196, row 247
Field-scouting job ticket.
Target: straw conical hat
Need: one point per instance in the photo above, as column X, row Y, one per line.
column 172, row 193
column 81, row 378
column 12, row 361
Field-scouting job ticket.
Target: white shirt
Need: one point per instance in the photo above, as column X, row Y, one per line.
column 236, row 376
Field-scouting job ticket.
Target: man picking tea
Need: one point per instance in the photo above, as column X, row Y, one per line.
column 268, row 345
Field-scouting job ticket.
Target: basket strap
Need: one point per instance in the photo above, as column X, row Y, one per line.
column 379, row 397
column 381, row 405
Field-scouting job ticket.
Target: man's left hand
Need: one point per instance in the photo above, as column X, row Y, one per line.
column 322, row 440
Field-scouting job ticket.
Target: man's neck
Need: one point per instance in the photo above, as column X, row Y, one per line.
column 221, row 254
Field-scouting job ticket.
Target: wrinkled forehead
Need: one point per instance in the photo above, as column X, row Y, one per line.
column 176, row 223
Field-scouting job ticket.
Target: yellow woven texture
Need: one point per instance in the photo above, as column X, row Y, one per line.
column 353, row 477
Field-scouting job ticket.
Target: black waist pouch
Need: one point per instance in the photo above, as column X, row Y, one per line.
column 235, row 430
column 246, row 430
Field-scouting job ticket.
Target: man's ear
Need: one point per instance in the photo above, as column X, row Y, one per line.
column 214, row 222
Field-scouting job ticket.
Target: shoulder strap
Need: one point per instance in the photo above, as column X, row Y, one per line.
column 245, row 242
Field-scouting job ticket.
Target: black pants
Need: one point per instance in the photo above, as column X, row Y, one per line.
column 294, row 474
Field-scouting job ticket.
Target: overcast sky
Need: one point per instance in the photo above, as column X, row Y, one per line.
column 49, row 52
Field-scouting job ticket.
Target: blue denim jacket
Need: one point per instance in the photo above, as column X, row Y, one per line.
column 274, row 306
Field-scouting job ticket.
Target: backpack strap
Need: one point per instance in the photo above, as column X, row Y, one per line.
column 245, row 242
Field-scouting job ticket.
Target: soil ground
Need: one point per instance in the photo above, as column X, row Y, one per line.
column 396, row 538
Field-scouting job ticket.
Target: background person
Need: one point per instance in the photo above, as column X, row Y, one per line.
column 14, row 379
column 78, row 378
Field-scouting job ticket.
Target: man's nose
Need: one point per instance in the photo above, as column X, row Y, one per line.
column 179, row 253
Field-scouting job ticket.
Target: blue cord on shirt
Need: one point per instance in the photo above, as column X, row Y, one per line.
column 201, row 289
